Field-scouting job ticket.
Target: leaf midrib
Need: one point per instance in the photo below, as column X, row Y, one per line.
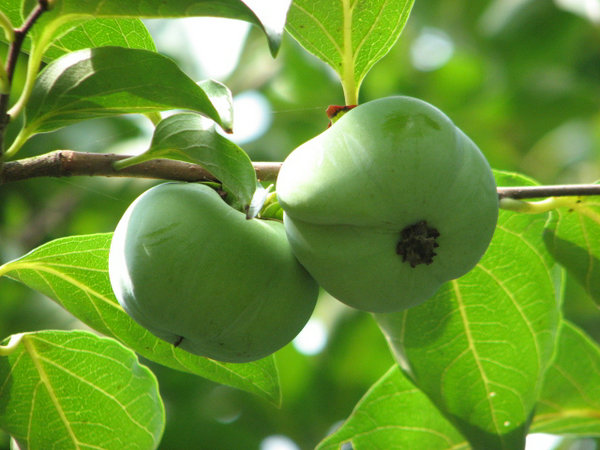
column 473, row 349
column 37, row 362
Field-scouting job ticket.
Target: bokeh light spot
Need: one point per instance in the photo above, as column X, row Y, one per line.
column 251, row 117
column 431, row 50
column 312, row 339
column 278, row 442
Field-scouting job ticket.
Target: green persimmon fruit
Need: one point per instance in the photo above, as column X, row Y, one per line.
column 388, row 204
column 196, row 273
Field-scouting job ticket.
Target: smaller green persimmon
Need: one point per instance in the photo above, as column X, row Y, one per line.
column 388, row 204
column 196, row 273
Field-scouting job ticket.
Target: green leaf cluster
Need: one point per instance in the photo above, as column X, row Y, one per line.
column 100, row 61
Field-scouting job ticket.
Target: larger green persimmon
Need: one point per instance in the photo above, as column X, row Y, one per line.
column 388, row 204
column 196, row 273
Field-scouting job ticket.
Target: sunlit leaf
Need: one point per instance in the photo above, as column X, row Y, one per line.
column 573, row 238
column 72, row 389
column 191, row 138
column 570, row 400
column 270, row 17
column 349, row 35
column 395, row 414
column 73, row 271
column 104, row 32
column 86, row 33
column 480, row 346
column 12, row 10
column 221, row 99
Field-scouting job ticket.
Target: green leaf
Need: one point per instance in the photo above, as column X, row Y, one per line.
column 107, row 81
column 265, row 204
column 573, row 237
column 191, row 138
column 221, row 99
column 128, row 33
column 570, row 400
column 480, row 346
column 72, row 389
column 12, row 11
column 270, row 17
column 349, row 35
column 73, row 271
column 395, row 414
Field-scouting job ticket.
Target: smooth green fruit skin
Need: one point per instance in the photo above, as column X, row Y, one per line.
column 349, row 192
column 184, row 264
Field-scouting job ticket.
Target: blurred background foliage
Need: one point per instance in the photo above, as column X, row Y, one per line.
column 520, row 77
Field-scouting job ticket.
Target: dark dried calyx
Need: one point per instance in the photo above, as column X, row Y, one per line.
column 417, row 243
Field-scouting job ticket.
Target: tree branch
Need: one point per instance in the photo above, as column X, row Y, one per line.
column 66, row 163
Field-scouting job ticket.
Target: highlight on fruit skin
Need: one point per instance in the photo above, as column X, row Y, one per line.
column 196, row 273
column 388, row 204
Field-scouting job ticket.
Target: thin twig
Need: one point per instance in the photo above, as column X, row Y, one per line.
column 11, row 63
column 564, row 190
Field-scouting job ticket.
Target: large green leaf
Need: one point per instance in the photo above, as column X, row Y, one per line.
column 72, row 389
column 573, row 238
column 107, row 81
column 480, row 346
column 270, row 17
column 73, row 271
column 395, row 414
column 189, row 137
column 570, row 400
column 349, row 35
